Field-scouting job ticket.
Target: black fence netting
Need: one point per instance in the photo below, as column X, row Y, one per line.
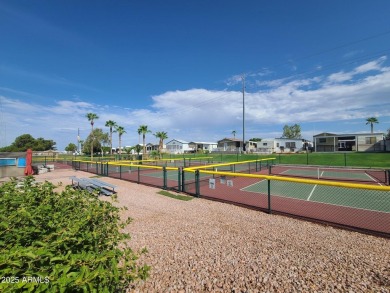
column 340, row 202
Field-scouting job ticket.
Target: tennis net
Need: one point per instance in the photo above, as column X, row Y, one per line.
column 332, row 173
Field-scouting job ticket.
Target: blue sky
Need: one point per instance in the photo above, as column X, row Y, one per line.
column 176, row 66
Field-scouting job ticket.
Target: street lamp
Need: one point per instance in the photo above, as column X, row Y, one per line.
column 243, row 114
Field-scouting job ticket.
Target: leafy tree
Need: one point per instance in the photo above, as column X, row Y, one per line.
column 102, row 138
column 42, row 144
column 112, row 125
column 371, row 121
column 25, row 141
column 137, row 148
column 71, row 147
column 293, row 131
column 128, row 152
column 161, row 135
column 143, row 129
column 93, row 142
column 255, row 139
column 121, row 131
column 155, row 154
column 91, row 118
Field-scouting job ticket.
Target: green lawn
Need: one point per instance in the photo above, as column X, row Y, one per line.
column 349, row 159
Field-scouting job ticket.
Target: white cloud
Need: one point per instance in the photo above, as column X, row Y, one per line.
column 373, row 65
column 340, row 77
column 376, row 65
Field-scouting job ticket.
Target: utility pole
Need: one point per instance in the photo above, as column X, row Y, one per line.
column 243, row 114
column 78, row 140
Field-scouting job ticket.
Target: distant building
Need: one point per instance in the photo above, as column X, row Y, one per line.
column 229, row 145
column 361, row 142
column 282, row 145
column 151, row 147
column 177, row 146
column 204, row 146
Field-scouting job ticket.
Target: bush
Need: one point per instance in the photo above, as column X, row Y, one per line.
column 62, row 242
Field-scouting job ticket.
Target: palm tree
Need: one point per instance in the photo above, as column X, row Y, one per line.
column 234, row 133
column 144, row 130
column 137, row 149
column 161, row 135
column 91, row 118
column 121, row 131
column 139, row 135
column 111, row 124
column 371, row 121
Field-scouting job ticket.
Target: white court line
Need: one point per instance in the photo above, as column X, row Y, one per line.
column 253, row 185
column 373, row 179
column 311, row 193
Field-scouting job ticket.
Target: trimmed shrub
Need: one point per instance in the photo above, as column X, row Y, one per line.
column 62, row 242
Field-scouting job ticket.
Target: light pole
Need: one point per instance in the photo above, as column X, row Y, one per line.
column 78, row 140
column 243, row 114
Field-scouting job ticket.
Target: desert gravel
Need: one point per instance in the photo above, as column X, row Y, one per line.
column 205, row 246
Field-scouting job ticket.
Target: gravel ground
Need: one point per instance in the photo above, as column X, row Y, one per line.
column 206, row 246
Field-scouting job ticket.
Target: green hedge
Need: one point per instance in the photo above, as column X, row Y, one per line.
column 62, row 242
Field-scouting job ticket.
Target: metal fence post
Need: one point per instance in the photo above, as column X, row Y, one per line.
column 388, row 177
column 183, row 181
column 179, row 170
column 345, row 159
column 269, row 196
column 197, row 183
column 120, row 171
column 164, row 178
column 138, row 175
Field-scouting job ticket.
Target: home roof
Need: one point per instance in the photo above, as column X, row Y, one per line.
column 202, row 142
column 347, row 134
column 178, row 140
column 283, row 138
column 230, row 139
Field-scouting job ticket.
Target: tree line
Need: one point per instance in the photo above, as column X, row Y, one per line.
column 25, row 141
column 100, row 141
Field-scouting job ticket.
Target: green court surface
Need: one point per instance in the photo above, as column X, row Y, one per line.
column 373, row 200
column 318, row 173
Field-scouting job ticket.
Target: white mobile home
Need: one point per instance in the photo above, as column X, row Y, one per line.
column 177, row 146
column 202, row 146
column 282, row 145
